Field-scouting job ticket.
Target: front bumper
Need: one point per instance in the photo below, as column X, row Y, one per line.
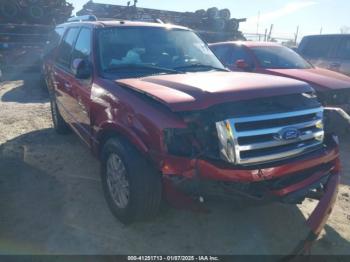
column 320, row 169
column 220, row 171
column 318, row 218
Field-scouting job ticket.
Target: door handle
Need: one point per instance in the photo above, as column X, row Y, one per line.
column 334, row 65
column 67, row 86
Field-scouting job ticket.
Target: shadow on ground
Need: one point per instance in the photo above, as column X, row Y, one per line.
column 52, row 202
column 30, row 89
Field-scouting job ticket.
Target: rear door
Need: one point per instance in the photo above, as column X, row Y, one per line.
column 81, row 88
column 48, row 56
column 62, row 74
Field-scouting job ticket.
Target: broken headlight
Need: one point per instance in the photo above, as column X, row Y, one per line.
column 226, row 140
column 179, row 142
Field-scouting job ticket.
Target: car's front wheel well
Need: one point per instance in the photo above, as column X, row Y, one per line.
column 104, row 137
column 109, row 133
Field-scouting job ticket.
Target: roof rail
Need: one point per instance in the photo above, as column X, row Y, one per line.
column 82, row 18
column 159, row 21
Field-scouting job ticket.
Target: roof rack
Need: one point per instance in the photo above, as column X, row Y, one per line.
column 159, row 21
column 82, row 18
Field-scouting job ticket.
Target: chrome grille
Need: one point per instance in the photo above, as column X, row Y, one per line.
column 266, row 138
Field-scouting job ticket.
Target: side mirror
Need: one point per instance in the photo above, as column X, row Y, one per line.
column 81, row 68
column 241, row 64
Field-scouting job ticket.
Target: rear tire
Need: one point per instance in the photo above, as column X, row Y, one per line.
column 60, row 126
column 132, row 187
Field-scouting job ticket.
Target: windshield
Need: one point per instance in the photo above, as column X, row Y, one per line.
column 153, row 50
column 279, row 57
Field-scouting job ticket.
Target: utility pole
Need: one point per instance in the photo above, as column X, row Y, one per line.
column 296, row 36
column 258, row 25
column 270, row 33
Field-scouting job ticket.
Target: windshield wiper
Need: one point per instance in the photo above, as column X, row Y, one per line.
column 194, row 66
column 141, row 66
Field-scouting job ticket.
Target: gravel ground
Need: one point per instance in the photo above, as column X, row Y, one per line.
column 51, row 200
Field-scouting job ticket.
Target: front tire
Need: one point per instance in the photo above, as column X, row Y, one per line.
column 132, row 187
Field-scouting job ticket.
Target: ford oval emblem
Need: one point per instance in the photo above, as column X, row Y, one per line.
column 289, row 134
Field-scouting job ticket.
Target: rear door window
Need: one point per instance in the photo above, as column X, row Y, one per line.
column 56, row 35
column 66, row 47
column 54, row 39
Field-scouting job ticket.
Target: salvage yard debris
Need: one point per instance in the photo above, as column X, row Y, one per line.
column 212, row 24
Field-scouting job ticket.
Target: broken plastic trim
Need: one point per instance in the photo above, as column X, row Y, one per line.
column 337, row 121
column 179, row 142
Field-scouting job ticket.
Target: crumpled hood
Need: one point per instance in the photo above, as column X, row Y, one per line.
column 196, row 91
column 320, row 79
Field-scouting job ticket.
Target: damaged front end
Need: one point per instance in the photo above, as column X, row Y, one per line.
column 274, row 149
column 337, row 110
column 250, row 132
column 339, row 98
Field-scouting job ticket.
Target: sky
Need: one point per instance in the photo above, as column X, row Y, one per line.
column 311, row 16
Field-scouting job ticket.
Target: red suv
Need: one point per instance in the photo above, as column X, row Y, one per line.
column 333, row 89
column 158, row 108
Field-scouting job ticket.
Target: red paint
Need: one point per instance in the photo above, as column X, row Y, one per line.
column 195, row 91
column 295, row 187
column 224, row 172
column 320, row 79
column 319, row 216
column 100, row 107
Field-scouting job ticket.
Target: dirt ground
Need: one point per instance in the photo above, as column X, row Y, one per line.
column 51, row 201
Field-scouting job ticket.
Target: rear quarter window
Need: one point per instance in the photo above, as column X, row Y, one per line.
column 65, row 49
column 54, row 39
column 343, row 49
column 316, row 47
